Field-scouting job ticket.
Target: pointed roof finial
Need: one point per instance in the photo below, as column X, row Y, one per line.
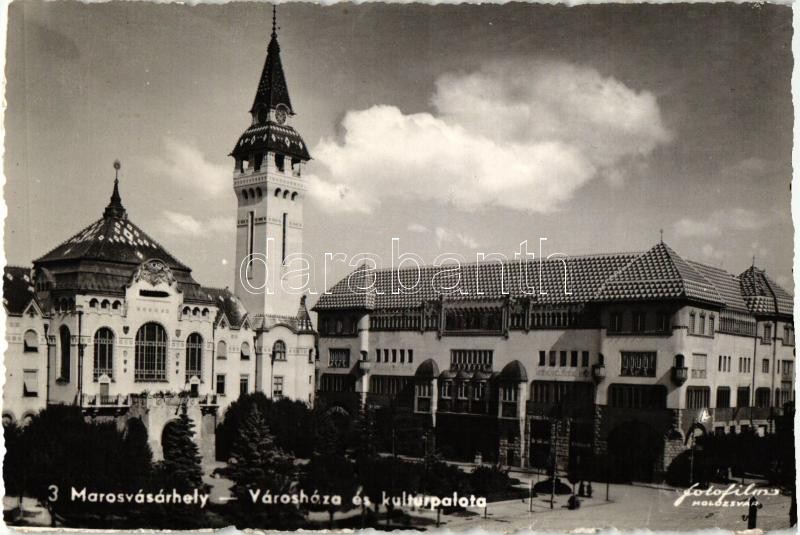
column 661, row 232
column 274, row 21
column 115, row 208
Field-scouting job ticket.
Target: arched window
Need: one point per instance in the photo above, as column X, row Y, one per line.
column 258, row 192
column 279, row 350
column 286, row 194
column 187, row 311
column 244, row 194
column 245, row 351
column 277, row 192
column 151, row 353
column 194, row 356
column 103, row 353
column 31, row 341
column 93, row 303
column 222, row 350
column 117, row 305
column 66, row 359
column 294, row 195
column 105, row 304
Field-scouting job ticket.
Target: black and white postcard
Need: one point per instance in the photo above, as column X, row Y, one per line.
column 398, row 266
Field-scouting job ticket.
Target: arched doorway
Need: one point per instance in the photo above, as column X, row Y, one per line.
column 634, row 449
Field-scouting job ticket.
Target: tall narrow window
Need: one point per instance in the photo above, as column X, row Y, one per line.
column 65, row 340
column 279, row 350
column 250, row 239
column 277, row 387
column 151, row 353
column 194, row 356
column 244, row 351
column 283, row 240
column 103, row 353
column 31, row 342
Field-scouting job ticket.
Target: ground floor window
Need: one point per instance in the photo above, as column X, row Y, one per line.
column 244, row 385
column 277, row 387
column 698, row 397
column 221, row 384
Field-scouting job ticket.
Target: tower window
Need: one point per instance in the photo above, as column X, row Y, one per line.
column 279, row 162
column 259, row 158
column 283, row 240
column 65, row 340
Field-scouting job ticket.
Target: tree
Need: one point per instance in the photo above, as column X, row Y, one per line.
column 331, row 475
column 258, row 464
column 182, row 462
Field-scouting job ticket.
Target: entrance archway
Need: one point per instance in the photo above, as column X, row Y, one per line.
column 635, row 449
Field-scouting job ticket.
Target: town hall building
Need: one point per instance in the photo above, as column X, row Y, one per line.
column 111, row 321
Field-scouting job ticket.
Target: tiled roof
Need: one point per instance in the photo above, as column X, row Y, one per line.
column 228, row 304
column 18, row 289
column 272, row 89
column 112, row 238
column 585, row 276
column 272, row 137
column 659, row 273
column 763, row 295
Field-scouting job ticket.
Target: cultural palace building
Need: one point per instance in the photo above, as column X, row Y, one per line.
column 641, row 350
column 111, row 321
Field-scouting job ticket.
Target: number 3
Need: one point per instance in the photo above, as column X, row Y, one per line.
column 53, row 493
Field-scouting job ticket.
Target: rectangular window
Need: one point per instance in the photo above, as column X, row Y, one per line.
column 697, row 397
column 479, row 390
column 277, row 387
column 720, row 363
column 723, row 397
column 691, row 323
column 394, row 355
column 562, row 358
column 638, row 322
column 385, row 355
column 762, row 397
column 741, row 365
column 339, row 357
column 508, row 393
column 743, row 396
column 462, row 390
column 447, row 387
column 221, row 384
column 711, row 325
column 637, row 396
column 638, row 364
column 411, row 356
column 573, row 359
column 471, row 359
column 764, row 365
column 377, row 355
column 585, row 359
column 402, row 356
column 30, row 383
column 552, row 358
column 244, row 385
column 699, row 363
column 542, row 358
column 616, row 322
column 662, row 322
column 767, row 338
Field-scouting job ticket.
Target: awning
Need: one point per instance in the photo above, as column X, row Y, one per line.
column 30, row 383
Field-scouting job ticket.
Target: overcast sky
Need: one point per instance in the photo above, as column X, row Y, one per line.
column 454, row 128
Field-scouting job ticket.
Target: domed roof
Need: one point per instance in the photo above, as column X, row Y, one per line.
column 514, row 371
column 427, row 370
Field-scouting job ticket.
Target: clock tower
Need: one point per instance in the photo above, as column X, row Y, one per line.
column 270, row 191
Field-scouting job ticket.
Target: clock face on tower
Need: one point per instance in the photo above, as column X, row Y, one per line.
column 280, row 116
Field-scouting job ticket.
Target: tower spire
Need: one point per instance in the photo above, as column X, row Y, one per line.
column 115, row 208
column 272, row 90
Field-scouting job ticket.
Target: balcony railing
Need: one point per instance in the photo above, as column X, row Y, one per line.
column 679, row 375
column 118, row 400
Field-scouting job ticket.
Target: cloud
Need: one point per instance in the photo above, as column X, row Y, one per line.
column 721, row 221
column 186, row 165
column 179, row 224
column 445, row 235
column 712, row 253
column 519, row 135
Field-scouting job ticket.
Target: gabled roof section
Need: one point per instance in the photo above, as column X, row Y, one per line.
column 763, row 295
column 18, row 289
column 660, row 273
column 272, row 89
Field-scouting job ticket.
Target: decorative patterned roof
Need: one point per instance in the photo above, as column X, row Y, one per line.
column 18, row 290
column 227, row 304
column 272, row 89
column 273, row 137
column 763, row 295
column 659, row 273
column 112, row 238
column 484, row 281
